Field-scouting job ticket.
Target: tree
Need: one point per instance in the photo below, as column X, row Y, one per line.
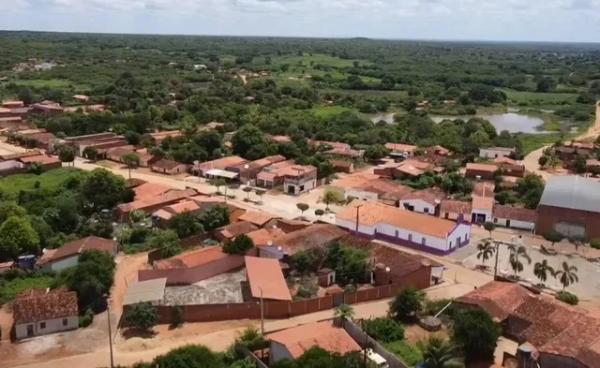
column 542, row 161
column 248, row 190
column 166, row 241
column 349, row 263
column 331, row 196
column 9, row 209
column 515, row 258
column 189, row 356
column 407, row 304
column 440, row 353
column 91, row 153
column 17, row 236
column 240, row 245
column 35, row 168
column 92, row 278
column 249, row 142
column 319, row 212
column 546, row 84
column 542, row 269
column 260, row 193
column 384, row 329
column 66, row 154
column 567, row 275
column 185, row 224
column 142, row 316
column 376, row 152
column 553, row 237
column 214, row 218
column 489, row 227
column 485, row 251
column 476, row 333
column 131, row 160
column 104, row 190
column 344, row 311
column 302, row 207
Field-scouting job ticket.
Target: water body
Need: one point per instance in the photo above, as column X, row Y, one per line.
column 388, row 117
column 511, row 121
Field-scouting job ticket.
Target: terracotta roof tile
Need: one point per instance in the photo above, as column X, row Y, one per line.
column 258, row 218
column 266, row 279
column 191, row 259
column 482, row 203
column 39, row 305
column 318, row 235
column 81, row 245
column 481, row 167
column 149, row 190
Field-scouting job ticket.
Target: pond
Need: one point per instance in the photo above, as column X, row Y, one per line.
column 511, row 121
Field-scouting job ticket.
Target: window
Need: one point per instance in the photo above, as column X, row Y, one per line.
column 42, row 325
column 410, row 237
column 423, row 241
column 426, row 210
column 65, row 321
column 495, row 220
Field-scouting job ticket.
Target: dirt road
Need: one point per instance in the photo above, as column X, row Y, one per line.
column 531, row 160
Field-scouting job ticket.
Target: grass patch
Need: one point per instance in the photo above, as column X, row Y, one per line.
column 539, row 98
column 50, row 83
column 408, row 353
column 328, row 112
column 50, row 180
column 10, row 289
column 531, row 142
column 308, row 61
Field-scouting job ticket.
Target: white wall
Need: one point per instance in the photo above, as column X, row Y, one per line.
column 52, row 325
column 62, row 264
column 351, row 225
column 515, row 224
column 487, row 213
column 308, row 186
column 419, row 205
column 490, row 153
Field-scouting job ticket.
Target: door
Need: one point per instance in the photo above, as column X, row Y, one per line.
column 29, row 330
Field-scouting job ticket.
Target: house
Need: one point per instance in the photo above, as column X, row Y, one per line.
column 158, row 137
column 47, row 162
column 422, row 201
column 407, row 169
column 12, row 167
column 455, row 210
column 339, row 149
column 168, row 167
column 291, row 343
column 67, row 256
column 193, row 266
column 229, row 232
column 151, row 204
column 313, row 236
column 247, row 171
column 81, row 98
column 149, row 190
column 265, row 237
column 481, row 171
column 47, row 107
column 592, row 166
column 560, row 335
column 481, row 209
column 484, row 189
column 12, row 104
column 298, row 179
column 116, row 153
column 372, row 189
column 202, row 169
column 495, row 152
column 424, row 232
column 272, row 176
column 258, row 218
column 510, row 167
column 164, row 215
column 401, row 151
column 571, row 206
column 343, row 166
column 266, row 280
column 514, row 217
column 40, row 312
column 149, row 291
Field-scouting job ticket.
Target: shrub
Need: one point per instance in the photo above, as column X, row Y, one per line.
column 142, row 316
column 407, row 304
column 87, row 318
column 384, row 329
column 476, row 332
column 406, row 352
column 595, row 243
column 566, row 297
column 240, row 245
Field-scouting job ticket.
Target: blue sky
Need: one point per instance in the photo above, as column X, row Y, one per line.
column 510, row 20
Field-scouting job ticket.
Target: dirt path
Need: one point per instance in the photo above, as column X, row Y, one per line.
column 531, row 160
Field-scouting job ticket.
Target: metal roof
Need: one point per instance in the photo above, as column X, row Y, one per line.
column 574, row 192
column 145, row 291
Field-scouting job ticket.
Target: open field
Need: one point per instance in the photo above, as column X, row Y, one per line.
column 49, row 83
column 50, row 180
column 539, row 98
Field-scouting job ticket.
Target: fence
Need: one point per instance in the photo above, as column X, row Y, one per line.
column 365, row 341
column 273, row 310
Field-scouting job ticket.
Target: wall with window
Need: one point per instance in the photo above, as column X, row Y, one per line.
column 23, row 330
column 418, row 205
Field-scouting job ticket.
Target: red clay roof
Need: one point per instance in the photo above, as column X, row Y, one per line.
column 38, row 305
column 258, row 218
column 481, row 167
column 499, row 299
column 423, row 195
column 317, row 235
column 167, row 197
column 325, row 335
column 237, row 228
column 149, row 190
column 166, row 164
column 452, row 206
column 266, row 279
column 264, row 237
column 482, row 203
column 192, row 259
column 42, row 159
column 79, row 246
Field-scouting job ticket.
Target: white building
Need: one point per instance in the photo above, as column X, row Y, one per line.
column 481, row 209
column 495, row 152
column 398, row 225
column 420, row 201
column 67, row 256
column 515, row 217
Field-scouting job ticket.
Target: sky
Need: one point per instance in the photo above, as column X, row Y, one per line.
column 499, row 20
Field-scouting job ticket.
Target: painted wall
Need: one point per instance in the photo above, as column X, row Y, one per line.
column 490, row 153
column 62, row 264
column 52, row 325
column 419, row 206
column 515, row 224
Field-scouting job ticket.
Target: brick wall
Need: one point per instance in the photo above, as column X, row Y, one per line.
column 548, row 216
column 186, row 276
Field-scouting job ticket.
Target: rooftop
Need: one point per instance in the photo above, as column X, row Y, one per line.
column 325, row 335
column 166, row 164
column 145, row 291
column 372, row 213
column 452, row 206
column 235, row 229
column 192, row 258
column 482, row 203
column 39, row 305
column 149, row 190
column 515, row 213
column 317, row 235
column 265, row 237
column 81, row 245
column 573, row 192
column 266, row 279
column 481, row 167
column 258, row 218
column 400, row 147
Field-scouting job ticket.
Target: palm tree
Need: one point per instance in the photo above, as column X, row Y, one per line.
column 485, row 251
column 516, row 253
column 567, row 275
column 440, row 353
column 343, row 311
column 542, row 269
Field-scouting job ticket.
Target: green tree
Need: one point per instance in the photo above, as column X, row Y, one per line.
column 344, row 311
column 489, row 227
column 376, row 152
column 567, row 275
column 214, row 218
column 190, row 356
column 131, row 160
column 331, row 196
column 141, row 316
column 440, row 353
column 485, row 251
column 166, row 241
column 17, row 236
column 542, row 269
column 516, row 254
column 185, row 224
column 248, row 190
column 240, row 245
column 384, row 329
column 553, row 237
column 35, row 168
column 91, row 153
column 92, row 278
column 302, row 207
column 350, row 264
column 9, row 209
column 104, row 190
column 476, row 333
column 407, row 304
column 249, row 142
column 66, row 154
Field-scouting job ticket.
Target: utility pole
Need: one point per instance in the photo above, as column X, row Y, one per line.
column 110, row 345
column 496, row 265
column 357, row 216
column 262, row 313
